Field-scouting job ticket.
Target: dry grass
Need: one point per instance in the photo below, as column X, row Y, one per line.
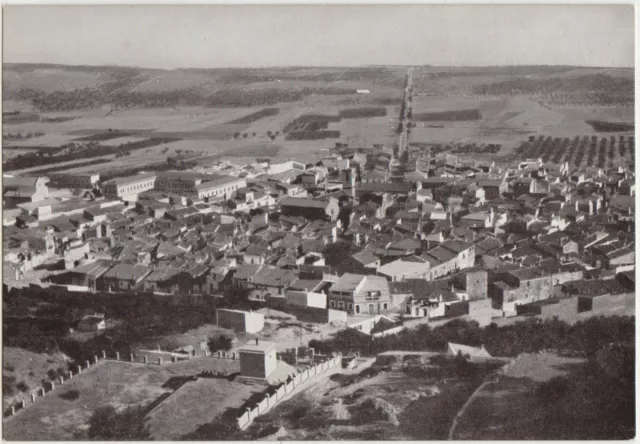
column 28, row 367
column 510, row 400
column 117, row 383
column 194, row 404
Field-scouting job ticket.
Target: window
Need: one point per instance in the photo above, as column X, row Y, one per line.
column 350, row 306
column 332, row 304
column 372, row 295
column 384, row 306
column 340, row 304
column 357, row 308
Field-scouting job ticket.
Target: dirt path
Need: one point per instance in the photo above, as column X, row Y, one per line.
column 491, row 379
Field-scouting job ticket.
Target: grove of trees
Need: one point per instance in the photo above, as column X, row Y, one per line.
column 603, row 152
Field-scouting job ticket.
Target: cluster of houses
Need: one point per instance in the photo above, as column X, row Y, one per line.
column 356, row 235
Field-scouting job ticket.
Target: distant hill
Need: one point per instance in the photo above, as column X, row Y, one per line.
column 52, row 87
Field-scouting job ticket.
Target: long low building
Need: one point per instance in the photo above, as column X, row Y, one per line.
column 73, row 180
column 128, row 188
column 177, row 182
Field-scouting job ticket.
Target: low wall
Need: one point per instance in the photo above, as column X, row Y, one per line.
column 609, row 301
column 268, row 402
column 263, row 406
column 51, row 386
column 391, row 331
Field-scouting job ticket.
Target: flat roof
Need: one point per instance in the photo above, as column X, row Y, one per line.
column 218, row 182
column 303, row 202
column 132, row 179
column 260, row 347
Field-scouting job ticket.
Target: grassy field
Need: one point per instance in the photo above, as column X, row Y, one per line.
column 509, row 401
column 19, row 365
column 196, row 403
column 120, row 384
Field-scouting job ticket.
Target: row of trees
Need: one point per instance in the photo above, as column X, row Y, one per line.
column 602, row 89
column 140, row 318
column 603, row 152
column 95, row 97
column 20, row 136
column 583, row 338
column 75, row 151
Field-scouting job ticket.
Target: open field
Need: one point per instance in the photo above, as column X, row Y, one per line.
column 203, row 107
column 120, row 384
column 493, row 412
column 196, row 403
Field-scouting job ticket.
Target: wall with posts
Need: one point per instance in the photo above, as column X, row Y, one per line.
column 285, row 389
column 50, row 386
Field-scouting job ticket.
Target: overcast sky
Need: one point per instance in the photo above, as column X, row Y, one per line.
column 290, row 35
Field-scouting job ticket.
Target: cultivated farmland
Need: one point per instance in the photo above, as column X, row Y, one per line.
column 304, row 111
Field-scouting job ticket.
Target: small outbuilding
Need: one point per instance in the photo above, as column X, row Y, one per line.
column 259, row 360
column 240, row 321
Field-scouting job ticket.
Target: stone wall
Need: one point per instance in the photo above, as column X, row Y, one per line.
column 284, row 390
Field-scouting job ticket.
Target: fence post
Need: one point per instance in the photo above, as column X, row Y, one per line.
column 95, row 359
column 159, row 361
column 23, row 404
column 117, row 356
column 70, row 374
column 13, row 410
column 61, row 379
column 88, row 364
column 42, row 390
column 131, row 357
column 53, row 385
column 219, row 354
column 33, row 398
column 79, row 369
column 104, row 354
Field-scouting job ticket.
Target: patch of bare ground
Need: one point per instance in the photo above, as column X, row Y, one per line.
column 405, row 397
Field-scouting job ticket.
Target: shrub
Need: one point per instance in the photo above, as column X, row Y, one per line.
column 219, row 343
column 106, row 424
column 51, row 374
column 372, row 409
column 8, row 385
column 23, row 387
column 70, row 395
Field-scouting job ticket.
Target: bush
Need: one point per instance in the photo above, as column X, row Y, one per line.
column 52, row 374
column 8, row 385
column 106, row 424
column 374, row 409
column 70, row 395
column 219, row 343
column 23, row 387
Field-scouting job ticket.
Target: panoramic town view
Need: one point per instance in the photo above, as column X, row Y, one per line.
column 318, row 223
